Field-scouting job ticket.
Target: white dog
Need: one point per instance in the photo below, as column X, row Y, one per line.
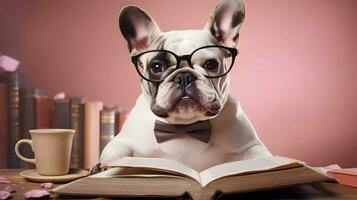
column 185, row 111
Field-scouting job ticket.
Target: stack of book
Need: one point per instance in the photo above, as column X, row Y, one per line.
column 22, row 109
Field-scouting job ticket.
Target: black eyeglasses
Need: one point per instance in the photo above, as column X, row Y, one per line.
column 212, row 61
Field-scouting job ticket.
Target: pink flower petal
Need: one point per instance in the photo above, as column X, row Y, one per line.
column 47, row 185
column 5, row 179
column 4, row 195
column 9, row 189
column 36, row 194
column 8, row 64
column 60, row 95
column 332, row 167
column 326, row 169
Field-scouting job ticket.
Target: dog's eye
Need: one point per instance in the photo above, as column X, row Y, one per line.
column 211, row 64
column 156, row 67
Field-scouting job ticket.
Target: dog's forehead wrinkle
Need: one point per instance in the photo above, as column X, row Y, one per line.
column 186, row 41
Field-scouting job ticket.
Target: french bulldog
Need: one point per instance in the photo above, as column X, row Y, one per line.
column 184, row 81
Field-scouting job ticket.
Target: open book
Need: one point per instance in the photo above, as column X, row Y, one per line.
column 134, row 176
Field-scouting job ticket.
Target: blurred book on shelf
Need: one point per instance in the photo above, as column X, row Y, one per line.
column 24, row 108
column 122, row 115
column 11, row 80
column 44, row 111
column 77, row 123
column 27, row 120
column 3, row 123
column 62, row 114
column 92, row 132
column 108, row 126
column 14, row 85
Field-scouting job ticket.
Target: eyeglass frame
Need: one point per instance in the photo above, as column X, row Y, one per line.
column 234, row 52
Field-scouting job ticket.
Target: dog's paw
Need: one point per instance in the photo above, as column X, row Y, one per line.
column 97, row 168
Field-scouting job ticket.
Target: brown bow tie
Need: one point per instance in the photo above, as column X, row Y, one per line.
column 200, row 130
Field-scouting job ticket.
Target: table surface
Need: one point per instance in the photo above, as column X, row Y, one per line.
column 318, row 191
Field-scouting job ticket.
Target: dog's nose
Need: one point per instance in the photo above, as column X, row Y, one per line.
column 184, row 79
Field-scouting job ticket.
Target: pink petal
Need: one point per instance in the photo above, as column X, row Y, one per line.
column 4, row 195
column 332, row 167
column 8, row 64
column 5, row 179
column 47, row 185
column 36, row 194
column 60, row 95
column 9, row 189
column 326, row 169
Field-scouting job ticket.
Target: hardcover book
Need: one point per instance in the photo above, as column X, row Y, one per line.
column 27, row 120
column 156, row 177
column 345, row 176
column 77, row 123
column 44, row 112
column 108, row 119
column 122, row 115
column 62, row 114
column 91, row 132
column 14, row 115
column 3, row 125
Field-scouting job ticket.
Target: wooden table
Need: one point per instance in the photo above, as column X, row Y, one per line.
column 319, row 191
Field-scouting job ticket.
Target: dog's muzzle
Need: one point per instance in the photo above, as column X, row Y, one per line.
column 184, row 79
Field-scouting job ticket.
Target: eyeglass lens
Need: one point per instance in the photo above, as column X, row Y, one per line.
column 210, row 61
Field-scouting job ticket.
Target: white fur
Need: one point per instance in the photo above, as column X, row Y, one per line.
column 233, row 137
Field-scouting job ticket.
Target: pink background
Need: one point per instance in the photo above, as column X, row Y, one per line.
column 295, row 75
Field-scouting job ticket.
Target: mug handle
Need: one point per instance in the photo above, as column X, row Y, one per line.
column 17, row 146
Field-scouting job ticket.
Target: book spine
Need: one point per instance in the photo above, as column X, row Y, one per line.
column 3, row 125
column 120, row 121
column 62, row 114
column 91, row 132
column 44, row 112
column 107, row 127
column 14, row 113
column 77, row 123
column 27, row 121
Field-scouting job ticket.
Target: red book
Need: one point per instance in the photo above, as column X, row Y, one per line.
column 3, row 125
column 345, row 176
column 44, row 112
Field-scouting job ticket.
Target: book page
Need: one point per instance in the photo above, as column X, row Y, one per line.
column 118, row 172
column 155, row 164
column 247, row 166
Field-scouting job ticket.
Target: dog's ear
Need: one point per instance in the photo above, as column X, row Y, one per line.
column 138, row 28
column 226, row 20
